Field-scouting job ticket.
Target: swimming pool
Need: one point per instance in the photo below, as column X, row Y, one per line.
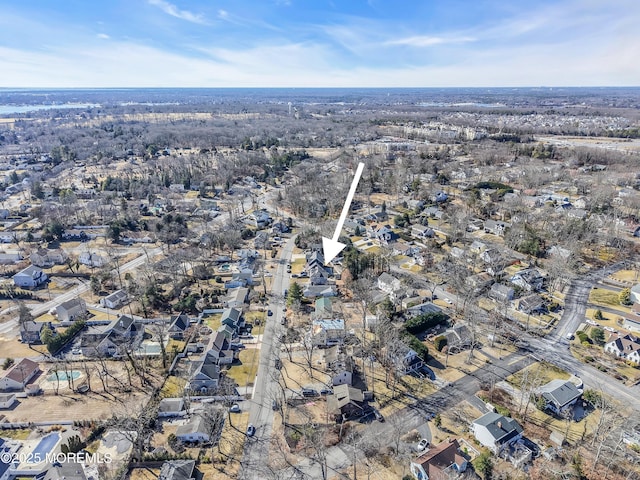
column 149, row 349
column 62, row 376
column 46, row 445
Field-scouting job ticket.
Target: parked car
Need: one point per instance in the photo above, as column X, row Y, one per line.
column 251, row 430
column 326, row 391
column 269, row 313
column 309, row 392
column 235, row 408
column 283, row 321
column 278, row 364
column 237, row 346
column 76, row 351
column 422, row 445
column 378, row 415
column 275, row 405
column 448, row 301
column 246, row 336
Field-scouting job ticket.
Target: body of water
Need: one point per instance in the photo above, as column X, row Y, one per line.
column 11, row 109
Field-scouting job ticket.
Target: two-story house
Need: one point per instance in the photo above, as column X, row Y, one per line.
column 496, row 431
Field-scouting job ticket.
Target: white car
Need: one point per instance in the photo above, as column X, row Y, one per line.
column 422, row 445
column 76, row 351
column 448, row 301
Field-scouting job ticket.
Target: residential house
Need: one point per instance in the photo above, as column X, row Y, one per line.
column 261, row 218
column 45, row 258
column 386, row 235
column 315, row 291
column 439, row 462
column 379, row 215
column 405, row 359
column 115, row 300
column 501, row 293
column 631, row 324
column 30, row 277
column 30, row 331
column 323, row 308
column 10, row 258
column 406, row 249
column 440, row 197
column 233, row 318
column 496, row 432
column 531, row 304
column 559, row 395
column 479, row 282
column 433, row 212
column 318, row 275
column 178, row 325
column 92, row 260
column 477, row 247
column 315, row 258
column 458, row 337
column 109, row 340
column 172, row 407
column 278, row 228
column 205, row 375
column 7, row 400
column 528, row 279
column 64, row 471
column 17, row 377
column 195, row 431
column 220, row 352
column 236, row 297
column 178, row 470
column 388, row 283
column 422, row 231
column 496, row 227
column 341, row 367
column 261, row 241
column 71, row 310
column 421, row 309
column 327, row 332
column 346, row 402
column 626, row 347
column 229, row 332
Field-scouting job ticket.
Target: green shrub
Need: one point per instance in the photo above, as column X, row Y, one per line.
column 423, row 322
column 440, row 342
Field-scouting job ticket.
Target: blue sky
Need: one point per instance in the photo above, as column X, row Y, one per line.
column 319, row 43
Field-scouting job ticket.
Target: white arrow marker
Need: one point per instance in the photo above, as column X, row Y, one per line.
column 333, row 247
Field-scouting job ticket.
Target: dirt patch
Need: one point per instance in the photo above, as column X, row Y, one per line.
column 59, row 408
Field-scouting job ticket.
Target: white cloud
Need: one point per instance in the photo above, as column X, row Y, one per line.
column 428, row 41
column 174, row 11
column 103, row 36
column 223, row 14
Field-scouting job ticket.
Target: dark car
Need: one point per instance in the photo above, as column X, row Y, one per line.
column 309, row 392
column 278, row 364
column 269, row 313
column 326, row 391
column 378, row 415
column 251, row 430
column 275, row 406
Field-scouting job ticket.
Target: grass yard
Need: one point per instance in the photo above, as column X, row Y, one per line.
column 542, row 370
column 18, row 434
column 607, row 298
column 298, row 265
column 245, row 373
column 251, row 317
column 625, row 276
column 173, row 387
column 213, row 321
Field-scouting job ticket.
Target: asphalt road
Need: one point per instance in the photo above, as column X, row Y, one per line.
column 266, row 388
